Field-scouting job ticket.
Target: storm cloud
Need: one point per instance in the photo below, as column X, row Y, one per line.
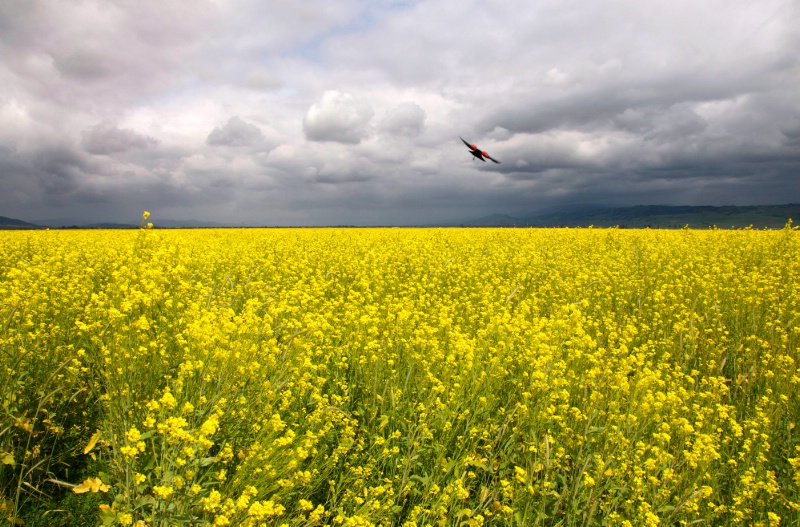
column 350, row 113
column 105, row 138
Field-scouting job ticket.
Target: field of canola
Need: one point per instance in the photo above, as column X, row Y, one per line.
column 403, row 377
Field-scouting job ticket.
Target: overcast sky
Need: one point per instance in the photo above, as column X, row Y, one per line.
column 288, row 112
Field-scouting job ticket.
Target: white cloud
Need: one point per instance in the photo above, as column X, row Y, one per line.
column 261, row 80
column 338, row 117
column 236, row 132
column 406, row 119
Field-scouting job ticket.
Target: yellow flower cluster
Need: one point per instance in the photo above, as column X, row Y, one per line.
column 414, row 377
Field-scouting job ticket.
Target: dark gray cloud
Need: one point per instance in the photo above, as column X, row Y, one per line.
column 83, row 66
column 44, row 176
column 350, row 112
column 104, row 138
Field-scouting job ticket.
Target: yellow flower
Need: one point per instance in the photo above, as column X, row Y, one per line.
column 168, row 400
column 259, row 510
column 212, row 502
column 128, row 451
column 90, row 484
column 209, row 426
column 316, row 514
column 163, row 492
column 134, row 435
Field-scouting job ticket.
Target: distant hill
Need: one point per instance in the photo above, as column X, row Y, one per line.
column 109, row 225
column 186, row 224
column 495, row 220
column 11, row 223
column 641, row 216
column 653, row 216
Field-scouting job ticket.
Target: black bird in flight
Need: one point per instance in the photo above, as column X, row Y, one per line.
column 475, row 151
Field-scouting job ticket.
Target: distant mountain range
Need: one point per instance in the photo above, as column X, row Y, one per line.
column 11, row 223
column 653, row 216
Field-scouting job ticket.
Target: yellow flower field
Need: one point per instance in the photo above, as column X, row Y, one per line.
column 402, row 377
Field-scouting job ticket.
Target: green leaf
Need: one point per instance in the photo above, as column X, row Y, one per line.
column 208, row 460
column 7, row 459
column 145, row 501
column 108, row 518
column 422, row 479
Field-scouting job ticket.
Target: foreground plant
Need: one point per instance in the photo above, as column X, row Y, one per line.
column 401, row 377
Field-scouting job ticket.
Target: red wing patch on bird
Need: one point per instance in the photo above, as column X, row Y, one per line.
column 478, row 153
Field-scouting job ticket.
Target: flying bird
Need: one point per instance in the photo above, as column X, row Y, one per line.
column 477, row 152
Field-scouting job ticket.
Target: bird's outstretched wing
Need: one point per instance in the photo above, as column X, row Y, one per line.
column 478, row 153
